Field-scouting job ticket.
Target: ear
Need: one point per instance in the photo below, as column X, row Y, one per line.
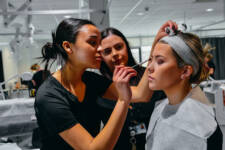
column 67, row 47
column 186, row 72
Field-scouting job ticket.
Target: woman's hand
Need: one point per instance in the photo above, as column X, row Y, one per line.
column 161, row 33
column 121, row 78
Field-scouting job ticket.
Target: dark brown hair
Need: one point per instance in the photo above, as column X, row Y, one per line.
column 67, row 30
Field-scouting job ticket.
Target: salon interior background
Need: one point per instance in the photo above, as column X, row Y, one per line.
column 25, row 25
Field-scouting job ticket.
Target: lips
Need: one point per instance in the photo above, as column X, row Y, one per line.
column 150, row 78
column 117, row 62
column 98, row 58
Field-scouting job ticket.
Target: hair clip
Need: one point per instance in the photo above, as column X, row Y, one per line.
column 170, row 31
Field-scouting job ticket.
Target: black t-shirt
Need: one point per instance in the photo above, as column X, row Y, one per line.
column 39, row 77
column 212, row 65
column 57, row 109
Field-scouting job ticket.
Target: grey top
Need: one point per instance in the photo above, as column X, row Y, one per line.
column 185, row 126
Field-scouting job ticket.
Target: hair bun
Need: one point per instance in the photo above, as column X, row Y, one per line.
column 208, row 48
column 48, row 51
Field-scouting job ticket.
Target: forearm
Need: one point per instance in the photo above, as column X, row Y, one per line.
column 108, row 137
column 80, row 139
column 142, row 93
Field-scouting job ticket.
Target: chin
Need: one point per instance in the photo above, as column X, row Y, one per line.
column 153, row 87
column 97, row 66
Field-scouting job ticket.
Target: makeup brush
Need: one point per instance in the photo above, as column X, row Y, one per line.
column 139, row 63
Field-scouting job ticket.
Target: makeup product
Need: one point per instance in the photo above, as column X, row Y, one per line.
column 140, row 63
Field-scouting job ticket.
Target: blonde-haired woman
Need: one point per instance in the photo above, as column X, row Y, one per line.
column 184, row 120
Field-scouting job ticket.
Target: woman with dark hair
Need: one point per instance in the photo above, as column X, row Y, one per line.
column 65, row 104
column 116, row 51
column 105, row 69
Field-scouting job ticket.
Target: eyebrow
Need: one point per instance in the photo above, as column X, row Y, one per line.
column 158, row 56
column 119, row 43
column 93, row 36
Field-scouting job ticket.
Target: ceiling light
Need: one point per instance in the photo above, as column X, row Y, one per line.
column 140, row 14
column 67, row 16
column 209, row 9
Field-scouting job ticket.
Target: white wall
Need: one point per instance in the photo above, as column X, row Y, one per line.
column 21, row 60
column 10, row 65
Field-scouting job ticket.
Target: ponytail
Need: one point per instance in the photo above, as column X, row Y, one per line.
column 48, row 53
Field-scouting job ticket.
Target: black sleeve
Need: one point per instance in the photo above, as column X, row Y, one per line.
column 215, row 141
column 53, row 113
column 98, row 82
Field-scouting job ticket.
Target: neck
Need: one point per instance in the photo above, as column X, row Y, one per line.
column 71, row 78
column 178, row 92
column 70, row 75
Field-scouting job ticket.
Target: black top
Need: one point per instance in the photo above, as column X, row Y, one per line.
column 57, row 109
column 39, row 77
column 140, row 113
column 212, row 65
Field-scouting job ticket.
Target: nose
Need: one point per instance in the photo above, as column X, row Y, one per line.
column 150, row 67
column 99, row 49
column 114, row 53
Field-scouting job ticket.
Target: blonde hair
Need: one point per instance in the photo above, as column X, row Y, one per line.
column 194, row 42
column 207, row 48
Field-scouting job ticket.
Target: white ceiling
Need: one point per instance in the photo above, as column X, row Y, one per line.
column 124, row 16
column 182, row 11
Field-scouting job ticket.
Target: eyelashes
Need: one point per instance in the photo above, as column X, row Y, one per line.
column 108, row 51
column 92, row 43
column 158, row 61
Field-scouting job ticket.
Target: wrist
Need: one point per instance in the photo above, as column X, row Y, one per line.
column 125, row 102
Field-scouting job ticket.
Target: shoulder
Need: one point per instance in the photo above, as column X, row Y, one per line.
column 204, row 108
column 50, row 91
column 38, row 72
column 196, row 118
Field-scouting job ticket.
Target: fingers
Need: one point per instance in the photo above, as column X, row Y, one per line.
column 126, row 72
column 121, row 78
column 117, row 68
column 129, row 76
column 123, row 73
column 173, row 25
